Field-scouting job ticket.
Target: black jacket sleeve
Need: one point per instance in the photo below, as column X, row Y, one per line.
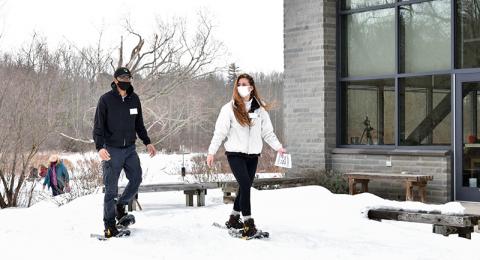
column 99, row 124
column 140, row 127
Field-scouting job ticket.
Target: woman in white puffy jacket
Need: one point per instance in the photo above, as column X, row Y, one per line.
column 244, row 121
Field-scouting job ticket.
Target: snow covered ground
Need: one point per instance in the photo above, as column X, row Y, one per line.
column 304, row 223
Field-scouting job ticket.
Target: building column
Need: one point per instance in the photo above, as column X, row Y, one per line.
column 310, row 83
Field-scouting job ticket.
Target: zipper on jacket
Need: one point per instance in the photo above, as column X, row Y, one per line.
column 248, row 146
column 124, row 139
column 249, row 134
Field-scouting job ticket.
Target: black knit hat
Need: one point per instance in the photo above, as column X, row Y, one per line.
column 122, row 71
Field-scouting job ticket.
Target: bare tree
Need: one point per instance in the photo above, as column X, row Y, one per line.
column 168, row 60
column 20, row 136
column 35, row 106
column 96, row 60
column 171, row 56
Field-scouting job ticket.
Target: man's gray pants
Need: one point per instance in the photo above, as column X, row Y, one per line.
column 125, row 158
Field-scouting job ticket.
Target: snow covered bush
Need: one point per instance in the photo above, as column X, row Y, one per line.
column 86, row 178
column 202, row 173
column 332, row 180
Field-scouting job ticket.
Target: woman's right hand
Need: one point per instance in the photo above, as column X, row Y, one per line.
column 104, row 155
column 210, row 160
column 282, row 151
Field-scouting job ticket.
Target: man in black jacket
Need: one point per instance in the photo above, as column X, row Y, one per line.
column 118, row 121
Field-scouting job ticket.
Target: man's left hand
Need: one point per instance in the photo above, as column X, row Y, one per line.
column 151, row 150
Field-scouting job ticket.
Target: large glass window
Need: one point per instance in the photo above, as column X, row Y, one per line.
column 425, row 110
column 369, row 109
column 403, row 46
column 471, row 110
column 369, row 46
column 470, row 141
column 425, row 36
column 468, row 34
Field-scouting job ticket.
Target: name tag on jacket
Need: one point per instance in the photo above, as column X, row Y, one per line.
column 252, row 115
column 133, row 111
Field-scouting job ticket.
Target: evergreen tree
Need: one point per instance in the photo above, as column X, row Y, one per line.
column 233, row 71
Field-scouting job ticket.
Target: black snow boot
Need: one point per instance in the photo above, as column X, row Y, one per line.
column 123, row 218
column 249, row 229
column 234, row 222
column 111, row 231
column 121, row 212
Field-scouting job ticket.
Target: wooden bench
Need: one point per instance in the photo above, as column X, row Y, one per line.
column 231, row 187
column 410, row 180
column 189, row 189
column 463, row 225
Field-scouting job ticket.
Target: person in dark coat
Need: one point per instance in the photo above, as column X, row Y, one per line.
column 118, row 121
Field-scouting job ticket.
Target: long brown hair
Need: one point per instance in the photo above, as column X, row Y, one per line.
column 238, row 104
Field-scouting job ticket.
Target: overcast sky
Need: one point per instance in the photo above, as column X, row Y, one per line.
column 252, row 30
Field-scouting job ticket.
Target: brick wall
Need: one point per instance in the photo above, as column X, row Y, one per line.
column 310, row 73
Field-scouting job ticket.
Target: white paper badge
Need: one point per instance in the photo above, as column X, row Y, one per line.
column 252, row 115
column 284, row 160
column 133, row 111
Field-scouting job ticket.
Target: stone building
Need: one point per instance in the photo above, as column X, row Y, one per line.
column 385, row 86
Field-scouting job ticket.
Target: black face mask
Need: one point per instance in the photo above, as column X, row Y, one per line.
column 124, row 85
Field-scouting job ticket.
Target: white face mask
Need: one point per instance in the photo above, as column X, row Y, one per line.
column 244, row 90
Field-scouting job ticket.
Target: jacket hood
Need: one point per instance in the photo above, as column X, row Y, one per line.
column 255, row 104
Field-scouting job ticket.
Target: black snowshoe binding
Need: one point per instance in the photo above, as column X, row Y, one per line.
column 112, row 231
column 123, row 218
column 249, row 229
